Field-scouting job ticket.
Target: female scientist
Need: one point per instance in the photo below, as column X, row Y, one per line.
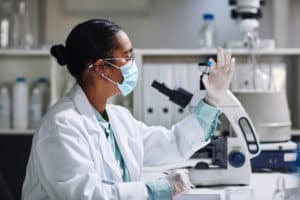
column 88, row 149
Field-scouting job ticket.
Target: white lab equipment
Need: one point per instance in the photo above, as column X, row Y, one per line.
column 239, row 194
column 20, row 104
column 35, row 107
column 208, row 32
column 259, row 77
column 226, row 160
column 5, row 107
column 229, row 160
column 270, row 114
column 183, row 78
column 262, row 79
column 247, row 14
column 71, row 140
column 5, row 23
column 150, row 108
column 21, row 36
column 271, row 117
column 164, row 108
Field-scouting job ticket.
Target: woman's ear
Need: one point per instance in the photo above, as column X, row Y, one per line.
column 99, row 66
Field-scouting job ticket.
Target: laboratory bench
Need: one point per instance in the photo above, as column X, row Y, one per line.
column 15, row 149
column 263, row 186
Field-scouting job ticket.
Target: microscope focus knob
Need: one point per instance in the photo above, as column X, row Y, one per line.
column 236, row 159
column 202, row 165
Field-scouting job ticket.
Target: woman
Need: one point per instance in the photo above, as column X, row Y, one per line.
column 87, row 149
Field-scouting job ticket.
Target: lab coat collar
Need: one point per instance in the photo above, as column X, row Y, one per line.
column 86, row 110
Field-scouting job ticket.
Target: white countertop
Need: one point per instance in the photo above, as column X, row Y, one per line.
column 262, row 185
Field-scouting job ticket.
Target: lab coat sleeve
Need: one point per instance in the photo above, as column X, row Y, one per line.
column 67, row 169
column 163, row 146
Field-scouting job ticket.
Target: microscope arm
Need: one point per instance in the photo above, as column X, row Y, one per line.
column 241, row 123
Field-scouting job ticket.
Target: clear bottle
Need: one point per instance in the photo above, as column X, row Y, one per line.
column 279, row 193
column 208, row 32
column 5, row 23
column 21, row 37
column 20, row 104
column 5, row 111
column 36, row 107
column 261, row 80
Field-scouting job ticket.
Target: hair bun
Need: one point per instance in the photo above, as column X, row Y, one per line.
column 59, row 52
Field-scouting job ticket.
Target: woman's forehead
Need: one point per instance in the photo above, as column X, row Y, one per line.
column 124, row 43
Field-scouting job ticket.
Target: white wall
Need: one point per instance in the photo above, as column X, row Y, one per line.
column 168, row 24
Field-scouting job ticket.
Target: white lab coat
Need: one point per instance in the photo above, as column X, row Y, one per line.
column 72, row 159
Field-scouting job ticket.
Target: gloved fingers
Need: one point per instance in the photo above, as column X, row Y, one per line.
column 189, row 183
column 232, row 65
column 205, row 80
column 180, row 189
column 227, row 61
column 220, row 58
column 186, row 179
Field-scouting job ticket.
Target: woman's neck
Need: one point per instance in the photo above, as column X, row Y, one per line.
column 96, row 97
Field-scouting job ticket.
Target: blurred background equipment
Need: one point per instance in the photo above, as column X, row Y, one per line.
column 247, row 14
column 5, row 105
column 208, row 32
column 21, row 32
column 20, row 103
column 5, row 23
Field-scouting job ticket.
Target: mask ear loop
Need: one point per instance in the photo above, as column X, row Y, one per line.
column 103, row 75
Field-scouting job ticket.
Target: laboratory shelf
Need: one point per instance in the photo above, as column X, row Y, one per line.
column 197, row 52
column 17, row 131
column 24, row 52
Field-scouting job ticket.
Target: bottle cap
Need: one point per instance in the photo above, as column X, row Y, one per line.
column 43, row 80
column 209, row 63
column 20, row 79
column 208, row 16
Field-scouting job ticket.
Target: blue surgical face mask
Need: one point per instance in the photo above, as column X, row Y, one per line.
column 130, row 75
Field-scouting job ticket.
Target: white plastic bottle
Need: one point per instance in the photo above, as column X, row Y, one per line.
column 5, row 112
column 208, row 32
column 36, row 107
column 20, row 104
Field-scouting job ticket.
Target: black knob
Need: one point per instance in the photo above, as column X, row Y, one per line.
column 150, row 110
column 232, row 2
column 234, row 14
column 165, row 110
column 202, row 165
